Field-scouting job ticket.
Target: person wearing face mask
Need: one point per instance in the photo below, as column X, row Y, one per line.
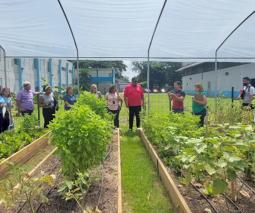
column 199, row 102
column 247, row 93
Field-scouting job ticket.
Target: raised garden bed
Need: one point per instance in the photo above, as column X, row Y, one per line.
column 104, row 194
column 190, row 198
column 24, row 154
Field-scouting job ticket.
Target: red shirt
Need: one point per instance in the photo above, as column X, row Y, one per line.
column 134, row 94
column 176, row 103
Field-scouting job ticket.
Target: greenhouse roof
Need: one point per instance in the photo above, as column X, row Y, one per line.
column 113, row 29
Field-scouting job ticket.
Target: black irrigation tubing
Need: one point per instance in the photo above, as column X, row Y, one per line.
column 207, row 200
column 49, row 191
column 233, row 203
column 23, row 205
column 247, row 185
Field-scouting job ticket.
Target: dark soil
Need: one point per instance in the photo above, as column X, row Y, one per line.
column 106, row 202
column 103, row 193
column 198, row 203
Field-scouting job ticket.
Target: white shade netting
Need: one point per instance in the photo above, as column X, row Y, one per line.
column 109, row 29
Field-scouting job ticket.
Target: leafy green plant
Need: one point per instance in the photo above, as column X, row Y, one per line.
column 228, row 113
column 212, row 156
column 81, row 137
column 98, row 105
column 74, row 190
column 12, row 141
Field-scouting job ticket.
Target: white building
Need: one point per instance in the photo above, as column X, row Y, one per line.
column 57, row 73
column 229, row 75
column 103, row 78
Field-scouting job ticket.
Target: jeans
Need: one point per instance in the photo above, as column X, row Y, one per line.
column 116, row 117
column 178, row 110
column 134, row 111
column 48, row 115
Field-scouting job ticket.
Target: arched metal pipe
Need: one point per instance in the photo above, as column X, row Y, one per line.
column 75, row 44
column 216, row 54
column 5, row 71
column 148, row 55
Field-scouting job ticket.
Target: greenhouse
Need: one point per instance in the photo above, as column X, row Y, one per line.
column 67, row 147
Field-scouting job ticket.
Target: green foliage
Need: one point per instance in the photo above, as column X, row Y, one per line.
column 226, row 113
column 28, row 123
column 88, row 65
column 161, row 73
column 74, row 190
column 81, row 137
column 96, row 104
column 12, row 141
column 213, row 155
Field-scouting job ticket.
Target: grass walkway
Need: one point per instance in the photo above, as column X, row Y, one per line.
column 143, row 191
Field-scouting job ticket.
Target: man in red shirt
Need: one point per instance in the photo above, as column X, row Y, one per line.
column 134, row 99
column 176, row 98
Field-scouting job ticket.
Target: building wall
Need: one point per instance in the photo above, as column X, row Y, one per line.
column 20, row 70
column 228, row 78
column 104, row 78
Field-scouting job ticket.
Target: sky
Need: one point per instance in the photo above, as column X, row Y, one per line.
column 129, row 73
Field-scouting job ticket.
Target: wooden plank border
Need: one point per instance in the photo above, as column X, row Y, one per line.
column 178, row 200
column 24, row 154
column 119, row 210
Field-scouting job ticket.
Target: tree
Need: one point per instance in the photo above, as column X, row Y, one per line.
column 86, row 65
column 161, row 73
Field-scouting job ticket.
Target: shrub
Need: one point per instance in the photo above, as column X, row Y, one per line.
column 96, row 104
column 81, row 137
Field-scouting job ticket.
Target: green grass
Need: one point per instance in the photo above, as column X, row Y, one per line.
column 160, row 103
column 143, row 191
column 142, row 188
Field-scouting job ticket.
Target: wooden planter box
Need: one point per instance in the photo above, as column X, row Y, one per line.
column 119, row 175
column 177, row 199
column 24, row 154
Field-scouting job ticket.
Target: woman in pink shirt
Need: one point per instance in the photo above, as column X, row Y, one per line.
column 114, row 103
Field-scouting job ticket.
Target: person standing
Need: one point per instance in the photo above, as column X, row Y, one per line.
column 134, row 99
column 199, row 102
column 24, row 100
column 93, row 90
column 48, row 104
column 114, row 103
column 176, row 98
column 69, row 98
column 247, row 93
column 5, row 106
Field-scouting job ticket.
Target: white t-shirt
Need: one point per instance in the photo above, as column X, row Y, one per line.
column 48, row 101
column 248, row 91
column 112, row 101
